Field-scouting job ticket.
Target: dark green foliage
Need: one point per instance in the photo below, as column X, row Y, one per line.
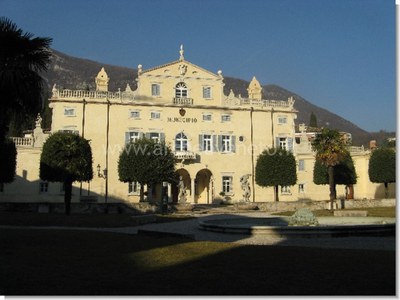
column 382, row 167
column 8, row 161
column 276, row 167
column 344, row 172
column 22, row 60
column 313, row 120
column 146, row 162
column 66, row 157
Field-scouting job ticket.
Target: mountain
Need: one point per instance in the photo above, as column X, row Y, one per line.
column 77, row 73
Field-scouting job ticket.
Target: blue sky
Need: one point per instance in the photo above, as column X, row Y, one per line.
column 339, row 55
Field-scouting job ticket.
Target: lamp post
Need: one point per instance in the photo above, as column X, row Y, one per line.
column 164, row 198
column 104, row 175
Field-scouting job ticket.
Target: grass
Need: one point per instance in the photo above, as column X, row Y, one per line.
column 78, row 220
column 59, row 262
column 389, row 212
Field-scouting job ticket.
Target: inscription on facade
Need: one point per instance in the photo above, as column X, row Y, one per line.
column 181, row 120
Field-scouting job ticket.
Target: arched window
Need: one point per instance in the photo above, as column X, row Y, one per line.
column 181, row 142
column 181, row 90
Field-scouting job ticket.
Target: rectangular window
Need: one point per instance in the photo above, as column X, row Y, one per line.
column 225, row 118
column 132, row 136
column 301, row 188
column 301, row 165
column 282, row 120
column 207, row 117
column 285, row 189
column 155, row 136
column 206, row 92
column 227, row 184
column 69, row 111
column 226, row 143
column 207, row 142
column 134, row 114
column 155, row 89
column 1, row 187
column 155, row 115
column 283, row 143
column 133, row 188
column 43, row 187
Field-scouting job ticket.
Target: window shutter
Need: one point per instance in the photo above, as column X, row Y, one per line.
column 127, row 137
column 214, row 143
column 147, row 135
column 219, row 143
column 233, row 143
column 162, row 137
column 277, row 143
column 290, row 144
column 201, row 139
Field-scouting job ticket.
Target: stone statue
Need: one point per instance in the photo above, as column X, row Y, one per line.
column 182, row 191
column 244, row 183
column 38, row 121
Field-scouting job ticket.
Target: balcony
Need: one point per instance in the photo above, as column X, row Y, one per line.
column 23, row 141
column 184, row 155
column 183, row 100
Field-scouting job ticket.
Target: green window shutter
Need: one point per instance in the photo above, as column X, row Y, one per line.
column 277, row 143
column 147, row 135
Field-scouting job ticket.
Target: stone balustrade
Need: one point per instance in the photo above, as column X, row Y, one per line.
column 184, row 155
column 183, row 100
column 23, row 141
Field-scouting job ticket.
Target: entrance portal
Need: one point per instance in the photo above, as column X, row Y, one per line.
column 204, row 186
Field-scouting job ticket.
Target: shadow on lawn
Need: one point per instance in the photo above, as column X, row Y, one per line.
column 69, row 262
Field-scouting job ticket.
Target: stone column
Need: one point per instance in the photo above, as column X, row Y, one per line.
column 193, row 193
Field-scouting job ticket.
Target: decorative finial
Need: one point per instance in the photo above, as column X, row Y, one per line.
column 181, row 53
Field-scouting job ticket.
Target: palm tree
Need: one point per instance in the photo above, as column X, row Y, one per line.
column 330, row 150
column 22, row 59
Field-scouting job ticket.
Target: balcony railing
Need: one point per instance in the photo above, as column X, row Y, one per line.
column 23, row 141
column 183, row 100
column 184, row 155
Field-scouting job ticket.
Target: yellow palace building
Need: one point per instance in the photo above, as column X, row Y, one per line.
column 216, row 139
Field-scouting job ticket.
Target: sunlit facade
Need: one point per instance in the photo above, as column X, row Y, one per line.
column 216, row 138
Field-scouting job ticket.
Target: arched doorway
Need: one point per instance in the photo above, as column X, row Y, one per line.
column 204, row 186
column 174, row 186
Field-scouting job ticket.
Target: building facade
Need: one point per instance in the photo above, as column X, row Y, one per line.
column 216, row 138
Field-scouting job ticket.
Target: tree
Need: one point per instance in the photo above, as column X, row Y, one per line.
column 22, row 59
column 330, row 150
column 344, row 172
column 146, row 162
column 313, row 120
column 276, row 167
column 66, row 157
column 8, row 161
column 382, row 167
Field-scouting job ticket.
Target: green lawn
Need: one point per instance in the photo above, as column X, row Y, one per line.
column 59, row 262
